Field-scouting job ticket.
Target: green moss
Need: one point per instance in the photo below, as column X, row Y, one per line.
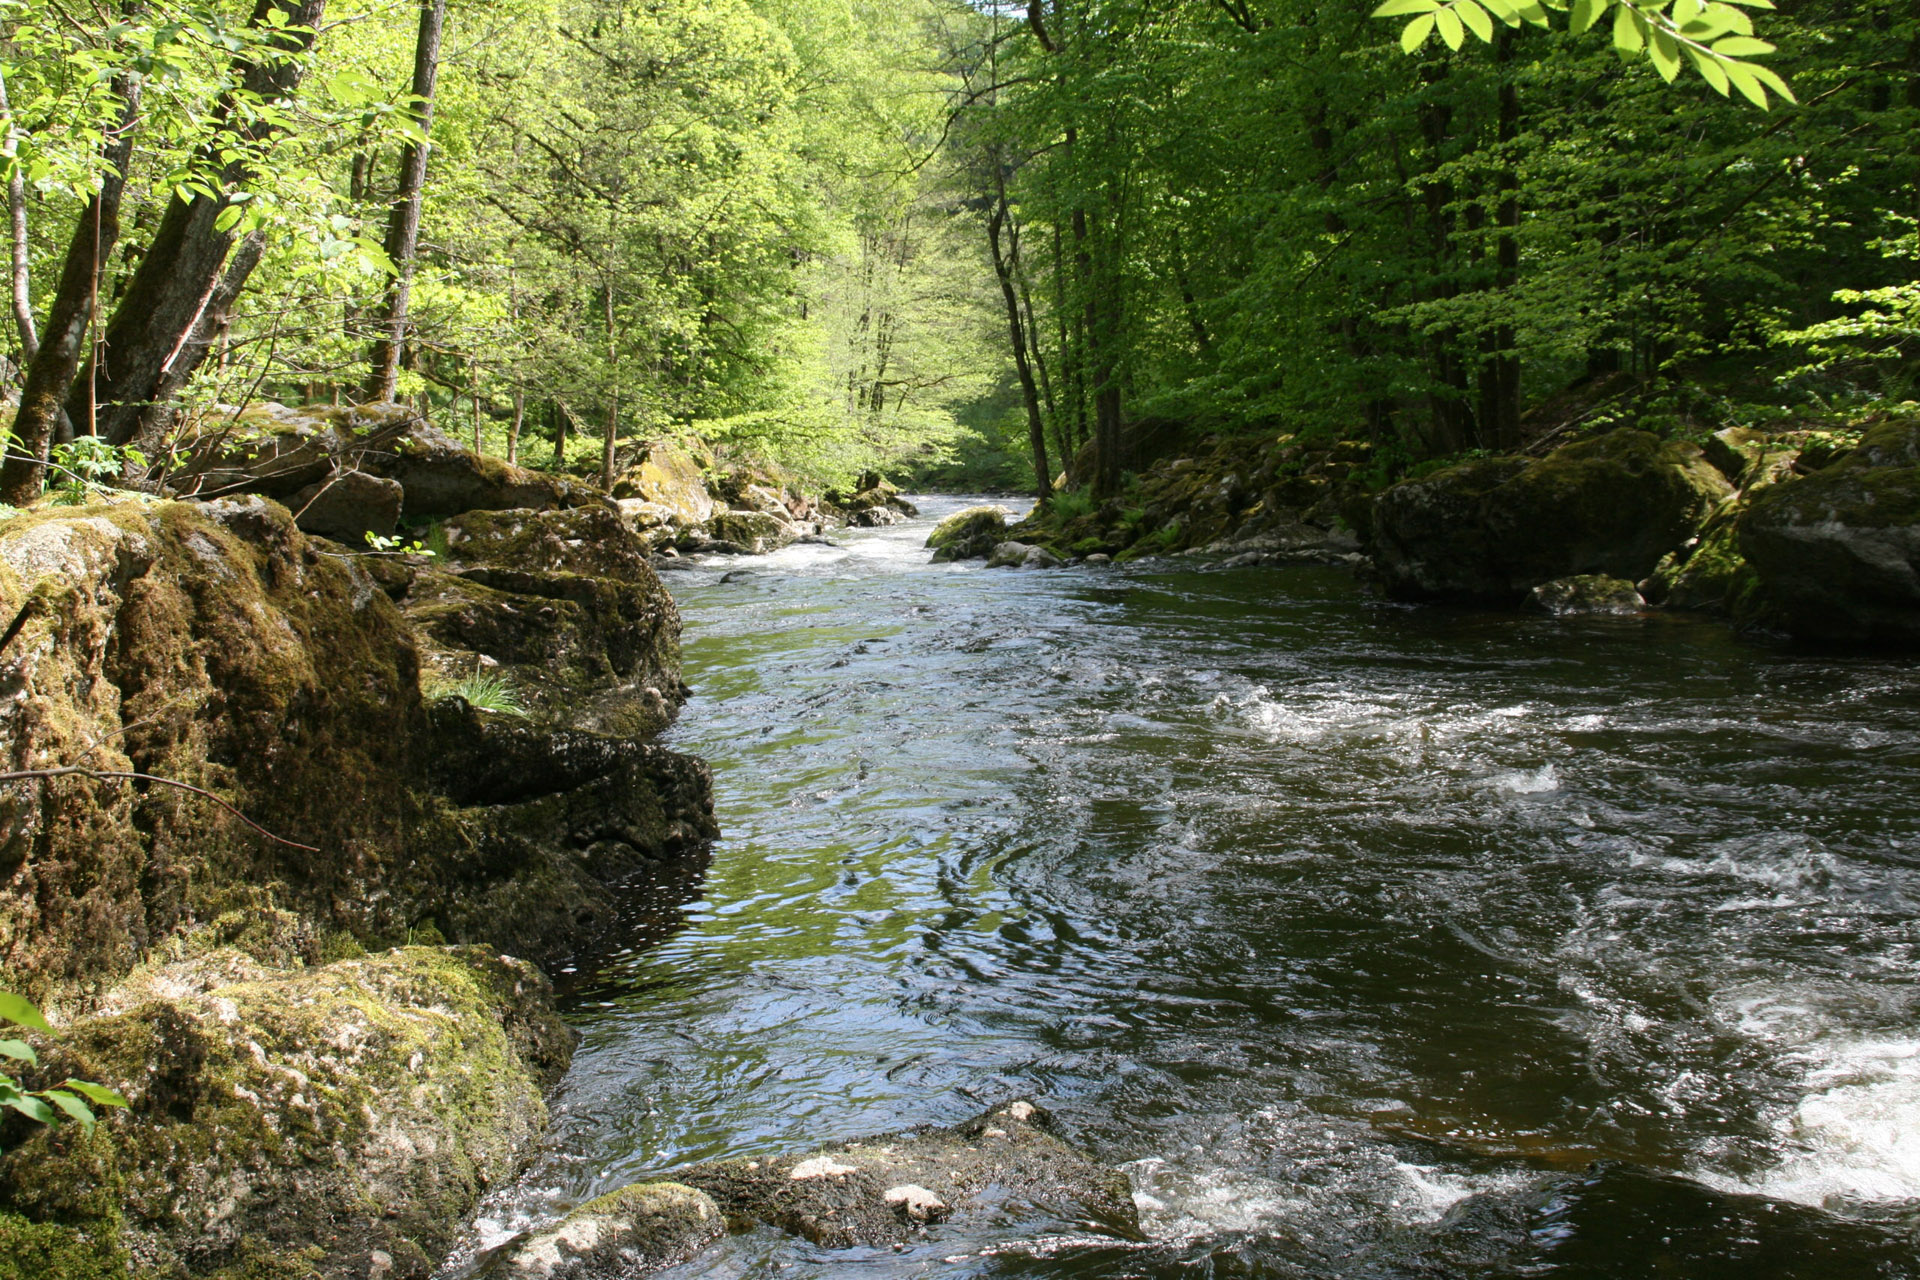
column 50, row 1251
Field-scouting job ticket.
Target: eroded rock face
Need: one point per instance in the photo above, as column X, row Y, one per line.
column 971, row 534
column 1836, row 554
column 565, row 606
column 215, row 645
column 667, row 476
column 1494, row 529
column 1006, row 1166
column 280, row 452
column 345, row 1117
column 630, row 1232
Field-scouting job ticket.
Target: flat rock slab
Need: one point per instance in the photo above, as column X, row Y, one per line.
column 1002, row 1167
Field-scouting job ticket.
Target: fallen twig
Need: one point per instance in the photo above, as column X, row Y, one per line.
column 115, row 775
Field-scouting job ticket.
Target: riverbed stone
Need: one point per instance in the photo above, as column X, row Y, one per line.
column 969, row 534
column 630, row 1232
column 748, row 533
column 1007, row 1165
column 1493, row 529
column 343, row 1117
column 1008, row 555
column 1588, row 594
column 1836, row 554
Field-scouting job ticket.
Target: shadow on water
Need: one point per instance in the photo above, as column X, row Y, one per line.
column 1375, row 941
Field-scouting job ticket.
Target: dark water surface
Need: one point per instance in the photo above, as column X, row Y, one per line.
column 1375, row 941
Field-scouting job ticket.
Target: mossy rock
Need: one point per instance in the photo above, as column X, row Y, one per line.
column 969, row 534
column 1836, row 554
column 748, row 533
column 1003, row 1167
column 1710, row 575
column 663, row 473
column 1493, row 529
column 323, row 1115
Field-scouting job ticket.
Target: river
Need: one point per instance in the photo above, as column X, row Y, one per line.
column 1373, row 940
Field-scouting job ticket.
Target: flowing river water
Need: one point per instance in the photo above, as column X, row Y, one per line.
column 1373, row 940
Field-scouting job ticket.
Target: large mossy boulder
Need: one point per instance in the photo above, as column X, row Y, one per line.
column 748, row 533
column 1007, row 1166
column 1493, row 529
column 338, row 1121
column 666, row 475
column 1836, row 555
column 215, row 646
column 969, row 534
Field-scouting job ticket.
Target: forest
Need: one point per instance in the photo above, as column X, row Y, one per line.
column 961, row 242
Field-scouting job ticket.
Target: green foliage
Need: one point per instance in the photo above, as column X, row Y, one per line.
column 70, row 1100
column 1071, row 504
column 484, row 691
column 80, row 467
column 1717, row 38
column 383, row 544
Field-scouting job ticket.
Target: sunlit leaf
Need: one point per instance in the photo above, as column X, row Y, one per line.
column 1476, row 19
column 21, row 1011
column 1416, row 32
column 1450, row 28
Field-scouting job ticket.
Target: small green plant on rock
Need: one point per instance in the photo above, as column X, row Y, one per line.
column 87, row 462
column 384, row 546
column 484, row 691
column 70, row 1100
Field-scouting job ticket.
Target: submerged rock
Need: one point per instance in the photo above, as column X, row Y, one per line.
column 969, row 534
column 1590, row 593
column 1005, row 1166
column 1836, row 554
column 1493, row 529
column 344, row 1117
column 630, row 1232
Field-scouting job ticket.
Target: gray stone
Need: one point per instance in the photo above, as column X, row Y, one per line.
column 634, row 1231
column 1588, row 594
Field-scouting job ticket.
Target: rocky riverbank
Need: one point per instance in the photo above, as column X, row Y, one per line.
column 281, row 802
column 1812, row 534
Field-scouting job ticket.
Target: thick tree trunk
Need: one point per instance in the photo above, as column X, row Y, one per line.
column 64, row 343
column 183, row 263
column 1016, row 330
column 560, row 416
column 519, row 420
column 208, row 333
column 403, row 223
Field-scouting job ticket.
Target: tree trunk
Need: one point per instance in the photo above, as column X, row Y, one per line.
column 1036, row 428
column 613, row 397
column 560, row 416
column 519, row 419
column 209, row 332
column 17, row 221
column 72, row 312
column 182, row 265
column 403, row 222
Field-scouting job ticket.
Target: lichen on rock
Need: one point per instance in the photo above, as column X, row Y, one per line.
column 626, row 1233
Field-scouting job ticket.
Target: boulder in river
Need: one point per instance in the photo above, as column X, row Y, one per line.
column 1493, row 529
column 1008, row 555
column 665, row 475
column 969, row 534
column 748, row 533
column 1836, row 554
column 1588, row 594
column 626, row 1233
column 1005, row 1166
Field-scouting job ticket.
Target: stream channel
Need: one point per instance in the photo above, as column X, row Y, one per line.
column 1373, row 940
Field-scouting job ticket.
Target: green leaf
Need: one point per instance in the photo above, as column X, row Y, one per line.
column 1741, row 74
column 1397, row 8
column 31, row 1107
column 18, row 1049
column 228, row 218
column 1585, row 14
column 97, row 1094
column 20, row 1010
column 1629, row 30
column 1741, row 47
column 1450, row 29
column 1752, row 4
column 1664, row 51
column 1710, row 69
column 1772, row 80
column 1477, row 19
column 75, row 1108
column 1416, row 32
column 1505, row 10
